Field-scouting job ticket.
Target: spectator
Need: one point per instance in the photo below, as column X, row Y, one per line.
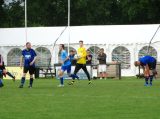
column 102, row 63
column 88, row 57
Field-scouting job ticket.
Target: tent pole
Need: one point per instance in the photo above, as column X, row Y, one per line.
column 68, row 25
column 26, row 20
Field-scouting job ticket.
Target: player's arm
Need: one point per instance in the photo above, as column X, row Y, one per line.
column 67, row 58
column 33, row 60
column 21, row 60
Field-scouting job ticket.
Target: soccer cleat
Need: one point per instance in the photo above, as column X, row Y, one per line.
column 60, row 85
column 89, row 82
column 71, row 83
column 14, row 79
column 29, row 86
column 1, row 85
column 21, row 86
column 145, row 84
column 150, row 84
column 77, row 78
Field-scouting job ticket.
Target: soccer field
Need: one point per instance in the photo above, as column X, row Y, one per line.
column 103, row 99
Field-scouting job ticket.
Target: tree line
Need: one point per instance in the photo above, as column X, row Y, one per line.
column 83, row 12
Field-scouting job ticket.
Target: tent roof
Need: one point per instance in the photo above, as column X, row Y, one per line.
column 106, row 34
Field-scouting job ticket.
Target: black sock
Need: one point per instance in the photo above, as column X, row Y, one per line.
column 22, row 80
column 9, row 74
column 1, row 83
column 31, row 81
column 151, row 79
column 146, row 80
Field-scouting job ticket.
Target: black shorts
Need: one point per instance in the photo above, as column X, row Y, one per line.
column 152, row 66
column 2, row 68
column 30, row 69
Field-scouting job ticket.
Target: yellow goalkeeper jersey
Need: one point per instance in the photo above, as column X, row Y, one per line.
column 82, row 53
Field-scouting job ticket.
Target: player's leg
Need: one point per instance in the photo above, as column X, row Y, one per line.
column 1, row 83
column 25, row 70
column 100, row 75
column 61, row 72
column 151, row 77
column 154, row 68
column 1, row 76
column 100, row 71
column 86, row 72
column 9, row 74
column 146, row 81
column 152, row 71
column 77, row 68
column 69, row 73
column 31, row 72
column 104, row 71
column 60, row 75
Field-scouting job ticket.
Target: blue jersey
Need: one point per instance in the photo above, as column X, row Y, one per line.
column 28, row 56
column 71, row 57
column 64, row 55
column 147, row 60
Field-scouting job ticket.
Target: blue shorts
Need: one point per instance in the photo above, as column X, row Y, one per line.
column 66, row 67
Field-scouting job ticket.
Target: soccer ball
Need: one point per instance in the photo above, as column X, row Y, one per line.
column 76, row 56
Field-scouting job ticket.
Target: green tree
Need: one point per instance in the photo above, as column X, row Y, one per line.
column 2, row 14
column 140, row 11
column 14, row 14
column 47, row 13
column 83, row 12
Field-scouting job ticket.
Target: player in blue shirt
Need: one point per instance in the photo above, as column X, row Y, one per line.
column 28, row 58
column 71, row 57
column 148, row 64
column 66, row 65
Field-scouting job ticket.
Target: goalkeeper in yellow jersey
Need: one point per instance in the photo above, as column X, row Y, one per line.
column 81, row 62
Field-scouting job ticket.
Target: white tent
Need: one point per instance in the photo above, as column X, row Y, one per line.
column 110, row 34
column 132, row 37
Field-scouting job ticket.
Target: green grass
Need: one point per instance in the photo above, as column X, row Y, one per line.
column 104, row 99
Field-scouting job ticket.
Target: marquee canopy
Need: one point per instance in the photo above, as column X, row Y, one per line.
column 106, row 34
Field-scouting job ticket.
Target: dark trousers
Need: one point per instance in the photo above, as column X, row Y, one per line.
column 82, row 66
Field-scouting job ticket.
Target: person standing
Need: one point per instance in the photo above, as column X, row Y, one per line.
column 89, row 58
column 81, row 62
column 28, row 58
column 102, row 63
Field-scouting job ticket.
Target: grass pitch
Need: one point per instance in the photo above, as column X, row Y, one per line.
column 103, row 99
